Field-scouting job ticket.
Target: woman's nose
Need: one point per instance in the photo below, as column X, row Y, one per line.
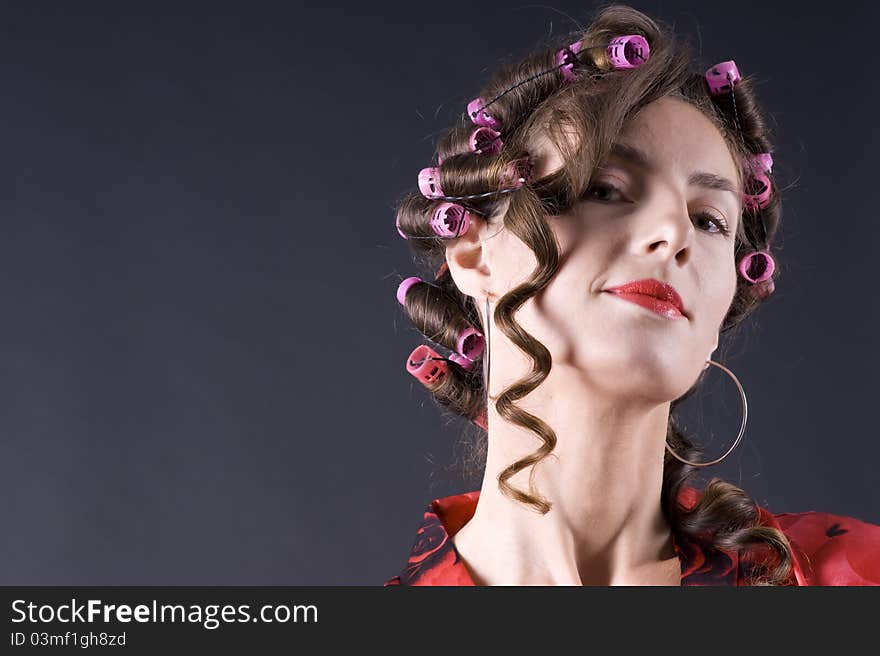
column 665, row 226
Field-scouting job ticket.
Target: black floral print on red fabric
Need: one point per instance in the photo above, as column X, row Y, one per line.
column 834, row 530
column 828, row 549
column 431, row 549
column 704, row 565
column 434, row 560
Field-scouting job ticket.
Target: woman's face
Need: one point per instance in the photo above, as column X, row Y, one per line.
column 639, row 219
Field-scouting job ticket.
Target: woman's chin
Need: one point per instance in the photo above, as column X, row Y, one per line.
column 653, row 376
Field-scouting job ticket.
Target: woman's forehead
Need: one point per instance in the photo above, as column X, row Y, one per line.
column 665, row 133
column 672, row 132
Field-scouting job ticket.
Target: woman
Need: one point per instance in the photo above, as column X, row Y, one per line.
column 601, row 215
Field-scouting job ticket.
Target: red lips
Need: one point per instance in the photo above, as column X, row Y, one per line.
column 657, row 290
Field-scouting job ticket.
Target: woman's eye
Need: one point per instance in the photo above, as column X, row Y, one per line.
column 601, row 186
column 710, row 219
column 703, row 218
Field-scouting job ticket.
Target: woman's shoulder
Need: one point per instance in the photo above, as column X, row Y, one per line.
column 830, row 549
column 433, row 558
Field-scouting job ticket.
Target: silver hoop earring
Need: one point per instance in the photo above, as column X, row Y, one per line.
column 742, row 428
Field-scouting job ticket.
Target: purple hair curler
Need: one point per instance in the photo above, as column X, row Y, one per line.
column 764, row 289
column 760, row 263
column 479, row 116
column 450, row 220
column 429, row 182
column 485, row 141
column 630, row 51
column 760, row 184
column 723, row 77
column 404, row 286
column 461, row 361
column 760, row 163
column 567, row 60
column 470, row 343
column 516, row 172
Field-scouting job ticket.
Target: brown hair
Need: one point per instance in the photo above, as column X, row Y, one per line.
column 582, row 118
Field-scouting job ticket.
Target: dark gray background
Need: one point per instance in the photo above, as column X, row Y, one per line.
column 203, row 377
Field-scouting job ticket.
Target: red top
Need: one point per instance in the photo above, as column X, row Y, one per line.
column 828, row 549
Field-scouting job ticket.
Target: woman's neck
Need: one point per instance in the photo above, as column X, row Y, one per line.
column 603, row 480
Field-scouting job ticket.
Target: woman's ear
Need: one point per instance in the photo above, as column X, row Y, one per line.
column 466, row 259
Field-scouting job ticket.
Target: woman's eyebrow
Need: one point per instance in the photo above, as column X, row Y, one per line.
column 698, row 178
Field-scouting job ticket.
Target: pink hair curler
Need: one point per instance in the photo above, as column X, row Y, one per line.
column 479, row 116
column 426, row 364
column 470, row 343
column 403, row 288
column 760, row 163
column 485, row 141
column 450, row 220
column 723, row 77
column 764, row 289
column 461, row 361
column 630, row 51
column 567, row 60
column 429, row 182
column 760, row 263
column 759, row 183
column 516, row 172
